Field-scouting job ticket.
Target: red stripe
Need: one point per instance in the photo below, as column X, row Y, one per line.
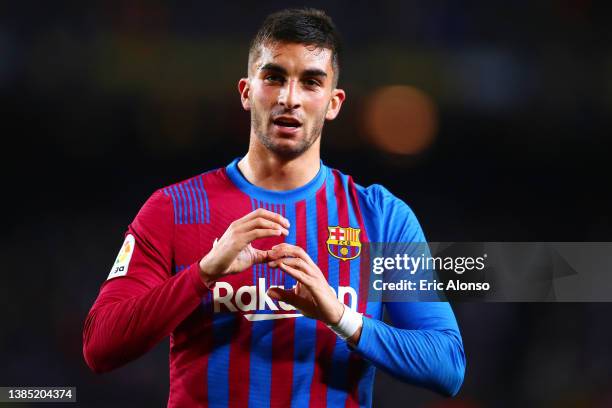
column 235, row 205
column 195, row 359
column 343, row 219
column 239, row 364
column 189, row 365
column 325, row 339
column 283, row 333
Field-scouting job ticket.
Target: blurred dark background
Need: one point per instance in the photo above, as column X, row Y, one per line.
column 490, row 119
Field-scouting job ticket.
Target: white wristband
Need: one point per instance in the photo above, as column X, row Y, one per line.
column 348, row 324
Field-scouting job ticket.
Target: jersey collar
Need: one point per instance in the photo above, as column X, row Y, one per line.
column 297, row 194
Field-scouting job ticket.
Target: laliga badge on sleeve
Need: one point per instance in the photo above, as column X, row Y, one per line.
column 120, row 267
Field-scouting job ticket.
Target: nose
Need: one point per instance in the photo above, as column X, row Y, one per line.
column 289, row 95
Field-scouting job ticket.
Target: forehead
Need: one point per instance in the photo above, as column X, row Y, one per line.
column 294, row 57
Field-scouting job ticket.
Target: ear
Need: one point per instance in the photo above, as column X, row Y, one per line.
column 338, row 96
column 244, row 86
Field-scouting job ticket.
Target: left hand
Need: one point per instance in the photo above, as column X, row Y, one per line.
column 312, row 295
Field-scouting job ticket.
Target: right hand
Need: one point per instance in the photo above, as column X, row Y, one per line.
column 233, row 252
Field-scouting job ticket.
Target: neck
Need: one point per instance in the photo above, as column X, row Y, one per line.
column 271, row 172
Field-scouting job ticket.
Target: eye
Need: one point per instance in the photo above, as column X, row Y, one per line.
column 274, row 78
column 311, row 82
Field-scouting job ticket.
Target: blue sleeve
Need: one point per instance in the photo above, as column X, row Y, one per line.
column 423, row 345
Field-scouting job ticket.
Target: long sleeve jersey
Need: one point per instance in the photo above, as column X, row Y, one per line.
column 232, row 345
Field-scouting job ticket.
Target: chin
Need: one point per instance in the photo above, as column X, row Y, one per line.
column 285, row 146
column 288, row 149
column 287, row 152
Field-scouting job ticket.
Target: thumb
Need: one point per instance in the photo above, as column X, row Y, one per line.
column 288, row 296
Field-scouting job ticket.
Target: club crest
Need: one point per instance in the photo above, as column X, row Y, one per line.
column 343, row 243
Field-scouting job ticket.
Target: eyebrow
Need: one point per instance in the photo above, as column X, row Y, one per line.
column 311, row 72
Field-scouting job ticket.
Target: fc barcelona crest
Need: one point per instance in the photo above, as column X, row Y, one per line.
column 343, row 243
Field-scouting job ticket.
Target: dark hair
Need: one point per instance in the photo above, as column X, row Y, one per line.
column 307, row 26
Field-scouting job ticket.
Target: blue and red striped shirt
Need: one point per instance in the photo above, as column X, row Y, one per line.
column 233, row 346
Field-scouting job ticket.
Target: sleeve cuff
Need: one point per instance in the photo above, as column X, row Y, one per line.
column 364, row 339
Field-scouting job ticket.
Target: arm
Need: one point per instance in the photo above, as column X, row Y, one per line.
column 142, row 304
column 422, row 347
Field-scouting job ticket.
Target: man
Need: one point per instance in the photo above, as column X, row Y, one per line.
column 248, row 267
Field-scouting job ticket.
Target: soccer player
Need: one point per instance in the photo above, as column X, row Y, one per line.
column 255, row 269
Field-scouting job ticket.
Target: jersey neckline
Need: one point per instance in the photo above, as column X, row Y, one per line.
column 300, row 193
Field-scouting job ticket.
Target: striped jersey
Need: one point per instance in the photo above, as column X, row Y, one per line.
column 232, row 345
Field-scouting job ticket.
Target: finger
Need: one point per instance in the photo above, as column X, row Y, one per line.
column 269, row 215
column 288, row 296
column 261, row 223
column 261, row 233
column 286, row 250
column 261, row 256
column 296, row 263
column 294, row 273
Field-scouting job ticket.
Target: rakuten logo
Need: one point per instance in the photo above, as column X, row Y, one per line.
column 255, row 299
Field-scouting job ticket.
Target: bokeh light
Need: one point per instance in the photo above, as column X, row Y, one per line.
column 401, row 119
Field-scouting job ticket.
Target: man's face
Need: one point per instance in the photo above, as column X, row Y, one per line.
column 290, row 93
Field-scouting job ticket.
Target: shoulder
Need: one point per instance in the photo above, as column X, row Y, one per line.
column 389, row 215
column 378, row 198
column 188, row 199
column 195, row 184
column 185, row 200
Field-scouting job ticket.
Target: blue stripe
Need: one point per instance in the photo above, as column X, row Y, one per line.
column 224, row 326
column 194, row 201
column 290, row 239
column 371, row 223
column 365, row 384
column 187, row 200
column 260, row 375
column 169, row 193
column 181, row 196
column 336, row 388
column 260, row 368
column 198, row 200
column 332, row 220
column 201, row 193
column 179, row 208
column 201, row 182
column 305, row 328
column 254, row 267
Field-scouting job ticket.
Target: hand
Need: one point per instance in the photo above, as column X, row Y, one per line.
column 312, row 295
column 233, row 252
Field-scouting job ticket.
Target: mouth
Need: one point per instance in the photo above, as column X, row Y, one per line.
column 287, row 124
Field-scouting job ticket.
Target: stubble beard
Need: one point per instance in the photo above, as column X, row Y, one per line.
column 260, row 127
